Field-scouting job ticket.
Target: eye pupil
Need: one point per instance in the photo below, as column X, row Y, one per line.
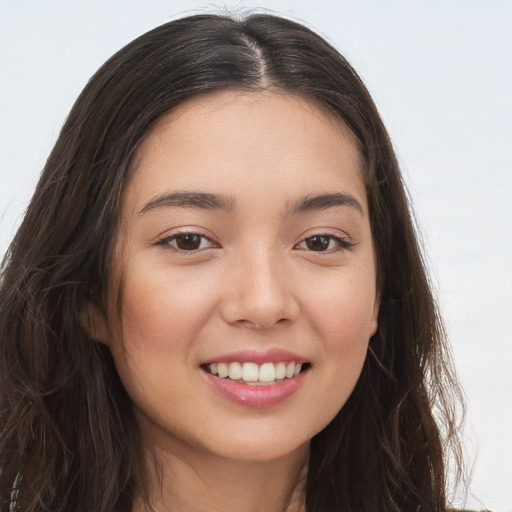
column 188, row 242
column 317, row 243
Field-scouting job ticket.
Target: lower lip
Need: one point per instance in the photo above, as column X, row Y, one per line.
column 255, row 396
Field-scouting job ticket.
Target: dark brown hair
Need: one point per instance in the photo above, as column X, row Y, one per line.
column 69, row 441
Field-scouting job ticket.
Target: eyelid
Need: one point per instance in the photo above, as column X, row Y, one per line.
column 344, row 241
column 166, row 239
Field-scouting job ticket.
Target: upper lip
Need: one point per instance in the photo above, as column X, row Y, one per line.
column 273, row 355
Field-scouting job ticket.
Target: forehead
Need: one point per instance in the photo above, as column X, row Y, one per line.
column 243, row 140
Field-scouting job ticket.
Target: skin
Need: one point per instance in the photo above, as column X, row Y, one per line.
column 253, row 283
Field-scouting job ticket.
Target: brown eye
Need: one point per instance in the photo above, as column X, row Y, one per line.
column 188, row 242
column 325, row 243
column 318, row 243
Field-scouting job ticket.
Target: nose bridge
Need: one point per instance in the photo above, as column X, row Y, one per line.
column 258, row 293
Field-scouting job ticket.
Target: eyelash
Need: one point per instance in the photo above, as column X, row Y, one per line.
column 167, row 241
column 342, row 244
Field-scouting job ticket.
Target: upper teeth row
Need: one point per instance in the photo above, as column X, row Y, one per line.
column 251, row 372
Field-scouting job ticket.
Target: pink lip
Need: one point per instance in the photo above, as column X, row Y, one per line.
column 255, row 396
column 274, row 355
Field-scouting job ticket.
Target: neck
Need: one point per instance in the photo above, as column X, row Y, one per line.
column 200, row 481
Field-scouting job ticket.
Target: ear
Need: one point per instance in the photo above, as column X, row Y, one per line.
column 94, row 322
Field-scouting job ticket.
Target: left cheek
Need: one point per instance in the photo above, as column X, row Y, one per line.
column 346, row 335
column 345, row 314
column 345, row 332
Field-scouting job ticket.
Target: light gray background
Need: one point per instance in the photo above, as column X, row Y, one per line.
column 440, row 72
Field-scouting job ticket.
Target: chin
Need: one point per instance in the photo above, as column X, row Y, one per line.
column 264, row 451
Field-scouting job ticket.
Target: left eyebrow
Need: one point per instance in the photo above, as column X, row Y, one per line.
column 323, row 202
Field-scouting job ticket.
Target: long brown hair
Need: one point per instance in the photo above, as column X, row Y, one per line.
column 69, row 440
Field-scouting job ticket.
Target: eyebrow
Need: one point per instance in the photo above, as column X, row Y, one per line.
column 324, row 202
column 197, row 200
column 205, row 201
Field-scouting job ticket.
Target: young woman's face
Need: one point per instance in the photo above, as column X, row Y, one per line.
column 244, row 247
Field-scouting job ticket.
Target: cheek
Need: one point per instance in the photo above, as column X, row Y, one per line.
column 162, row 311
column 161, row 317
column 343, row 307
column 346, row 330
column 342, row 315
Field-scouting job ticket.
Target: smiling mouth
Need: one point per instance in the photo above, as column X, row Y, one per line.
column 253, row 374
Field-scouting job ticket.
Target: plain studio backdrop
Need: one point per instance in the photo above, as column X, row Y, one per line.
column 441, row 75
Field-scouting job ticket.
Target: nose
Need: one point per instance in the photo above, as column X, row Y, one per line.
column 258, row 293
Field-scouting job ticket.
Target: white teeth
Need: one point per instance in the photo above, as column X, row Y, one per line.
column 280, row 371
column 251, row 373
column 235, row 371
column 267, row 372
column 223, row 370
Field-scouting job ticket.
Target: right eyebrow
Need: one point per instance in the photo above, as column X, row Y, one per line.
column 198, row 200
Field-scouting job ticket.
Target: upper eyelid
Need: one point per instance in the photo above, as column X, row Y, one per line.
column 324, row 231
column 166, row 242
column 185, row 230
column 344, row 240
column 183, row 233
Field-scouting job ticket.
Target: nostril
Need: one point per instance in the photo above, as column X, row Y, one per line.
column 254, row 324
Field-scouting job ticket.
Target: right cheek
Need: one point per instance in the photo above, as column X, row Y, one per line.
column 154, row 311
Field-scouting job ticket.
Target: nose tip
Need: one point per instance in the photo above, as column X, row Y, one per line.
column 262, row 320
column 259, row 298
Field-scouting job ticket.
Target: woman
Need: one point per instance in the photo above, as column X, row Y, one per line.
column 216, row 300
